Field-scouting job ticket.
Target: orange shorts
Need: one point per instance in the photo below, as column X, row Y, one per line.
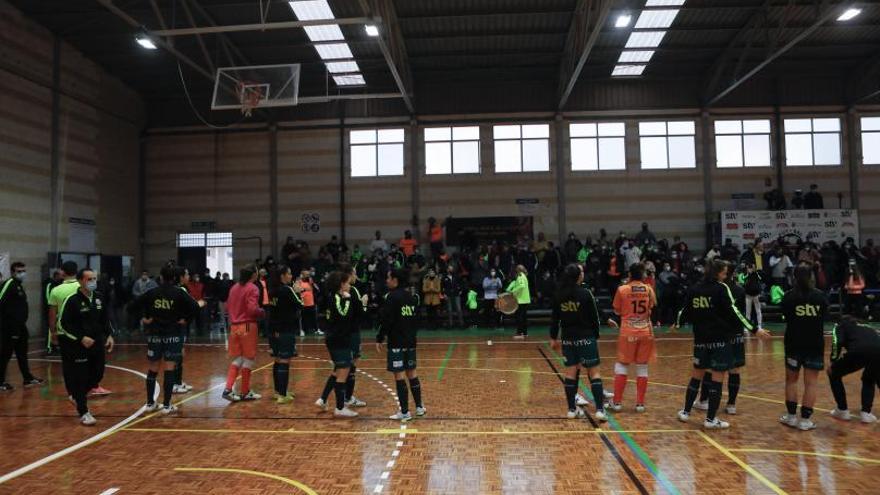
column 243, row 340
column 636, row 349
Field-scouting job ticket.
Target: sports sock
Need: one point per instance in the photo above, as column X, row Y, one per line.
column 349, row 383
column 415, row 386
column 231, row 375
column 867, row 392
column 339, row 388
column 328, row 387
column 151, row 386
column 245, row 381
column 178, row 375
column 714, row 399
column 284, row 374
column 691, row 395
column 619, row 387
column 806, row 412
column 570, row 391
column 641, row 389
column 704, row 386
column 402, row 395
column 168, row 386
column 791, row 407
column 276, row 377
column 598, row 393
column 733, row 381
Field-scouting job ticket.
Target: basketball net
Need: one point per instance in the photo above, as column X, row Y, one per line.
column 249, row 94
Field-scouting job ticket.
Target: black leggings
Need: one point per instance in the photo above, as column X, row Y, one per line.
column 83, row 370
column 522, row 320
column 851, row 363
column 14, row 339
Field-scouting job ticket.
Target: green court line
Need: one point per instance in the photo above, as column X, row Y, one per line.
column 445, row 361
column 627, row 439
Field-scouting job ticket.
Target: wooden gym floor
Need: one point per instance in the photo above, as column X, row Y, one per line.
column 494, row 425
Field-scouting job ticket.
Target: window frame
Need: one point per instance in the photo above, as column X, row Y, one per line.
column 597, row 138
column 812, row 133
column 376, row 143
column 862, row 134
column 451, row 143
column 522, row 141
column 742, row 142
column 666, row 137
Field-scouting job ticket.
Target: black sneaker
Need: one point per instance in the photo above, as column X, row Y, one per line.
column 33, row 382
column 5, row 387
column 231, row 396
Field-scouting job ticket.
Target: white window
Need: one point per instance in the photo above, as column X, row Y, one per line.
column 811, row 142
column 667, row 145
column 871, row 140
column 376, row 152
column 522, row 148
column 598, row 146
column 452, row 150
column 742, row 143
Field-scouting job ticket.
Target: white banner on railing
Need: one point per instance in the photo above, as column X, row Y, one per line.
column 817, row 226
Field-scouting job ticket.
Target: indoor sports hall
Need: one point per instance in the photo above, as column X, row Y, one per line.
column 439, row 247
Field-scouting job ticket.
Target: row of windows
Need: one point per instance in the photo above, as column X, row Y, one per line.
column 602, row 146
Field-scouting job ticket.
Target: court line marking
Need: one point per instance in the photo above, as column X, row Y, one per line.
column 748, row 468
column 816, row 454
column 109, row 491
column 85, row 443
column 408, row 431
column 634, row 446
column 445, row 361
column 296, row 484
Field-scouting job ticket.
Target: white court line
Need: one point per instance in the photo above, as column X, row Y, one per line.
column 109, row 491
column 85, row 443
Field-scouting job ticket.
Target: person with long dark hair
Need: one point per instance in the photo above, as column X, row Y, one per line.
column 338, row 315
column 576, row 316
column 359, row 313
column 243, row 306
column 710, row 307
column 284, row 318
column 805, row 309
column 862, row 344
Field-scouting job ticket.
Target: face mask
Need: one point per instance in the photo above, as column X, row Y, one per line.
column 92, row 286
column 21, row 276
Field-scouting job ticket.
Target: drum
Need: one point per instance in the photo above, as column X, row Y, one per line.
column 506, row 303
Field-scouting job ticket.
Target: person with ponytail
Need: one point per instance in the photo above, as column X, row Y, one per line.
column 805, row 309
column 576, row 316
column 284, row 297
column 338, row 314
column 359, row 314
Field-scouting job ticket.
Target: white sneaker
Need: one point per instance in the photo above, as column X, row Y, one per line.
column 841, row 415
column 577, row 413
column 251, row 396
column 716, row 424
column 421, row 411
column 608, row 394
column 399, row 416
column 302, row 333
column 355, row 402
column 179, row 389
column 730, row 409
column 868, row 418
column 789, row 420
column 601, row 415
column 519, row 337
column 702, row 405
column 148, row 408
column 640, row 408
column 169, row 409
column 616, row 407
column 684, row 416
column 344, row 413
column 87, row 419
column 580, row 400
column 319, row 332
column 322, row 404
column 186, row 386
column 806, row 425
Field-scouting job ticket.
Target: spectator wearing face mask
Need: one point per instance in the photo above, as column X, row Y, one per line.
column 431, row 292
column 491, row 285
column 452, row 289
column 309, row 315
column 378, row 246
column 13, row 327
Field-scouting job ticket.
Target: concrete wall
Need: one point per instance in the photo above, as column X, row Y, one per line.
column 99, row 124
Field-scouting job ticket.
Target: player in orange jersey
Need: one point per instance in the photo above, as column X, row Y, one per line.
column 633, row 303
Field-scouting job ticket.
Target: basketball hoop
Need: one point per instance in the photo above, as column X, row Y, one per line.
column 250, row 94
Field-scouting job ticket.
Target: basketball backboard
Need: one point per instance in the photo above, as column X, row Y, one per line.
column 256, row 86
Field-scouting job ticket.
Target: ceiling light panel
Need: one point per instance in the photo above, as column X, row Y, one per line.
column 331, row 51
column 636, row 56
column 628, row 70
column 623, row 21
column 330, row 32
column 664, row 3
column 339, row 67
column 656, row 19
column 849, row 14
column 310, row 10
column 645, row 39
column 352, row 80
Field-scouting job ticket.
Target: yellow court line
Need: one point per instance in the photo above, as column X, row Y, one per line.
column 305, row 489
column 398, row 431
column 749, row 469
column 816, row 454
